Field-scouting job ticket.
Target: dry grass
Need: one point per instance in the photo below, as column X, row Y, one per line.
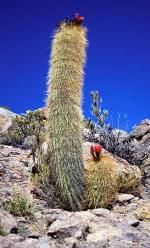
column 41, row 178
column 19, row 205
column 129, row 184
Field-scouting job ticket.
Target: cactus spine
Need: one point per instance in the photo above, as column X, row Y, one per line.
column 101, row 182
column 64, row 113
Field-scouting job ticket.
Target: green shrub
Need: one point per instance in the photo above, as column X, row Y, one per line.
column 2, row 232
column 97, row 111
column 129, row 184
column 22, row 230
column 42, row 177
column 19, row 205
column 30, row 123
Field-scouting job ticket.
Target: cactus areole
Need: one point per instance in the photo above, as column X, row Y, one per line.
column 64, row 113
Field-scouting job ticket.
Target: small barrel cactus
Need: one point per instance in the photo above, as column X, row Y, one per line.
column 101, row 180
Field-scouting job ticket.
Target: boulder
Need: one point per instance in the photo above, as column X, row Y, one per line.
column 76, row 224
column 14, row 171
column 124, row 197
column 141, row 130
column 26, row 243
column 8, row 221
column 6, row 117
column 145, row 167
column 30, row 142
column 120, row 134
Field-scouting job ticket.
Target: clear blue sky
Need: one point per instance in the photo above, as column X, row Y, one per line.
column 118, row 56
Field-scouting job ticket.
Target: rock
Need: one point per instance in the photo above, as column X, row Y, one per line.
column 143, row 211
column 144, row 227
column 121, row 135
column 78, row 222
column 132, row 221
column 145, row 167
column 96, row 137
column 141, row 130
column 119, row 243
column 78, row 234
column 8, row 221
column 124, row 197
column 14, row 238
column 70, row 242
column 86, row 133
column 146, row 164
column 101, row 212
column 122, row 209
column 4, row 139
column 145, row 139
column 30, row 142
column 15, row 174
column 5, row 242
column 81, row 244
column 103, row 233
column 46, row 242
column 26, row 243
column 35, row 235
column 6, row 117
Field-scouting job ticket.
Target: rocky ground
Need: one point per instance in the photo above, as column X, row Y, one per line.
column 127, row 224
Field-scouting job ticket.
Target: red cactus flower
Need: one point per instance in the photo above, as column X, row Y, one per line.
column 79, row 18
column 95, row 151
column 97, row 148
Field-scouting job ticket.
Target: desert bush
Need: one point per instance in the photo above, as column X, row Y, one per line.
column 19, row 205
column 41, row 178
column 97, row 111
column 129, row 184
column 22, row 229
column 28, row 124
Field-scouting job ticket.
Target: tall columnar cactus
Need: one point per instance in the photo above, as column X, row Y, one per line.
column 64, row 112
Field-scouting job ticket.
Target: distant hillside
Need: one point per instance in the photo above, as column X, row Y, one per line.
column 5, row 118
